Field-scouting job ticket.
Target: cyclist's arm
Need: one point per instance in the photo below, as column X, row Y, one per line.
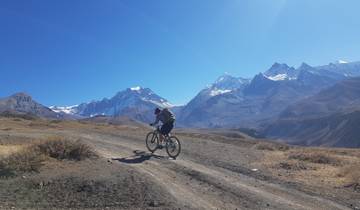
column 156, row 121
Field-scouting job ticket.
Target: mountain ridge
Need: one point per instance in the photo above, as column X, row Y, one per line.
column 260, row 98
column 230, row 102
column 136, row 102
column 329, row 118
column 23, row 103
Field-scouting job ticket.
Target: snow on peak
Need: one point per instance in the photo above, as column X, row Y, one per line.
column 279, row 72
column 220, row 79
column 278, row 77
column 224, row 78
column 145, row 94
column 228, row 82
column 216, row 92
column 137, row 88
column 278, row 68
column 341, row 62
column 65, row 109
column 225, row 84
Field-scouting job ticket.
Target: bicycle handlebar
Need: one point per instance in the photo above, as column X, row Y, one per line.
column 156, row 127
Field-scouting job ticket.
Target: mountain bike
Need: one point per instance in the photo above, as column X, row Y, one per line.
column 172, row 143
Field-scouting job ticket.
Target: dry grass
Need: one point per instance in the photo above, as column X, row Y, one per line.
column 60, row 148
column 293, row 165
column 316, row 168
column 25, row 160
column 30, row 158
column 320, row 157
column 56, row 121
column 352, row 176
column 25, row 116
column 271, row 146
column 6, row 150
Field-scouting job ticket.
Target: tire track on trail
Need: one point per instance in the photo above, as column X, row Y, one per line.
column 185, row 195
column 201, row 187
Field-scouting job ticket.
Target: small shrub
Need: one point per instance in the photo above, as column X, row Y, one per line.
column 352, row 175
column 271, row 146
column 26, row 160
column 315, row 157
column 231, row 135
column 55, row 121
column 60, row 149
column 293, row 166
column 31, row 158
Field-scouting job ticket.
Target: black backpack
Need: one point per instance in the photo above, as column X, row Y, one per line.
column 168, row 114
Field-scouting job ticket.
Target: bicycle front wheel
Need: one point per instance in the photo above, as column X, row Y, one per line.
column 152, row 141
column 173, row 147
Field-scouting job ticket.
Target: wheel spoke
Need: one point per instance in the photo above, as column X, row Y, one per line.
column 151, row 141
column 173, row 147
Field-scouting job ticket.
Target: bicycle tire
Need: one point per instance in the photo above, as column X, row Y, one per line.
column 152, row 138
column 170, row 147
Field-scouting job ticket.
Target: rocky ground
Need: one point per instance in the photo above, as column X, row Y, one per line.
column 215, row 170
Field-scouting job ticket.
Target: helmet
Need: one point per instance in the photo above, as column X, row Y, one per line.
column 157, row 111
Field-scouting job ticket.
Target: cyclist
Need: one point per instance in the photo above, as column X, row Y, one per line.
column 167, row 118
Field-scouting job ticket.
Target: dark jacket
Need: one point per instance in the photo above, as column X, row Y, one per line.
column 165, row 116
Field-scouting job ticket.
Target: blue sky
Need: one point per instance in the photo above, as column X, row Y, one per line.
column 72, row 51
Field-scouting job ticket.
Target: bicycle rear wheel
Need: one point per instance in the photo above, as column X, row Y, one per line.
column 173, row 147
column 152, row 141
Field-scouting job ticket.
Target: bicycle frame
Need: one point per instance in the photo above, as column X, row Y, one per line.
column 157, row 130
column 169, row 143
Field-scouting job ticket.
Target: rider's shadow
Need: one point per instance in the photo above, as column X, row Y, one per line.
column 138, row 157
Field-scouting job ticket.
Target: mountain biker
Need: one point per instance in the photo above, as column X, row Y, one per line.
column 167, row 118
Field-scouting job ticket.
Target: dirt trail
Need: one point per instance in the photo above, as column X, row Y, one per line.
column 212, row 171
column 198, row 185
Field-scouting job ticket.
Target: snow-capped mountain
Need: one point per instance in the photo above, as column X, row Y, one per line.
column 224, row 85
column 255, row 101
column 341, row 62
column 65, row 109
column 347, row 69
column 281, row 72
column 339, row 69
column 137, row 103
column 229, row 101
column 228, row 82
